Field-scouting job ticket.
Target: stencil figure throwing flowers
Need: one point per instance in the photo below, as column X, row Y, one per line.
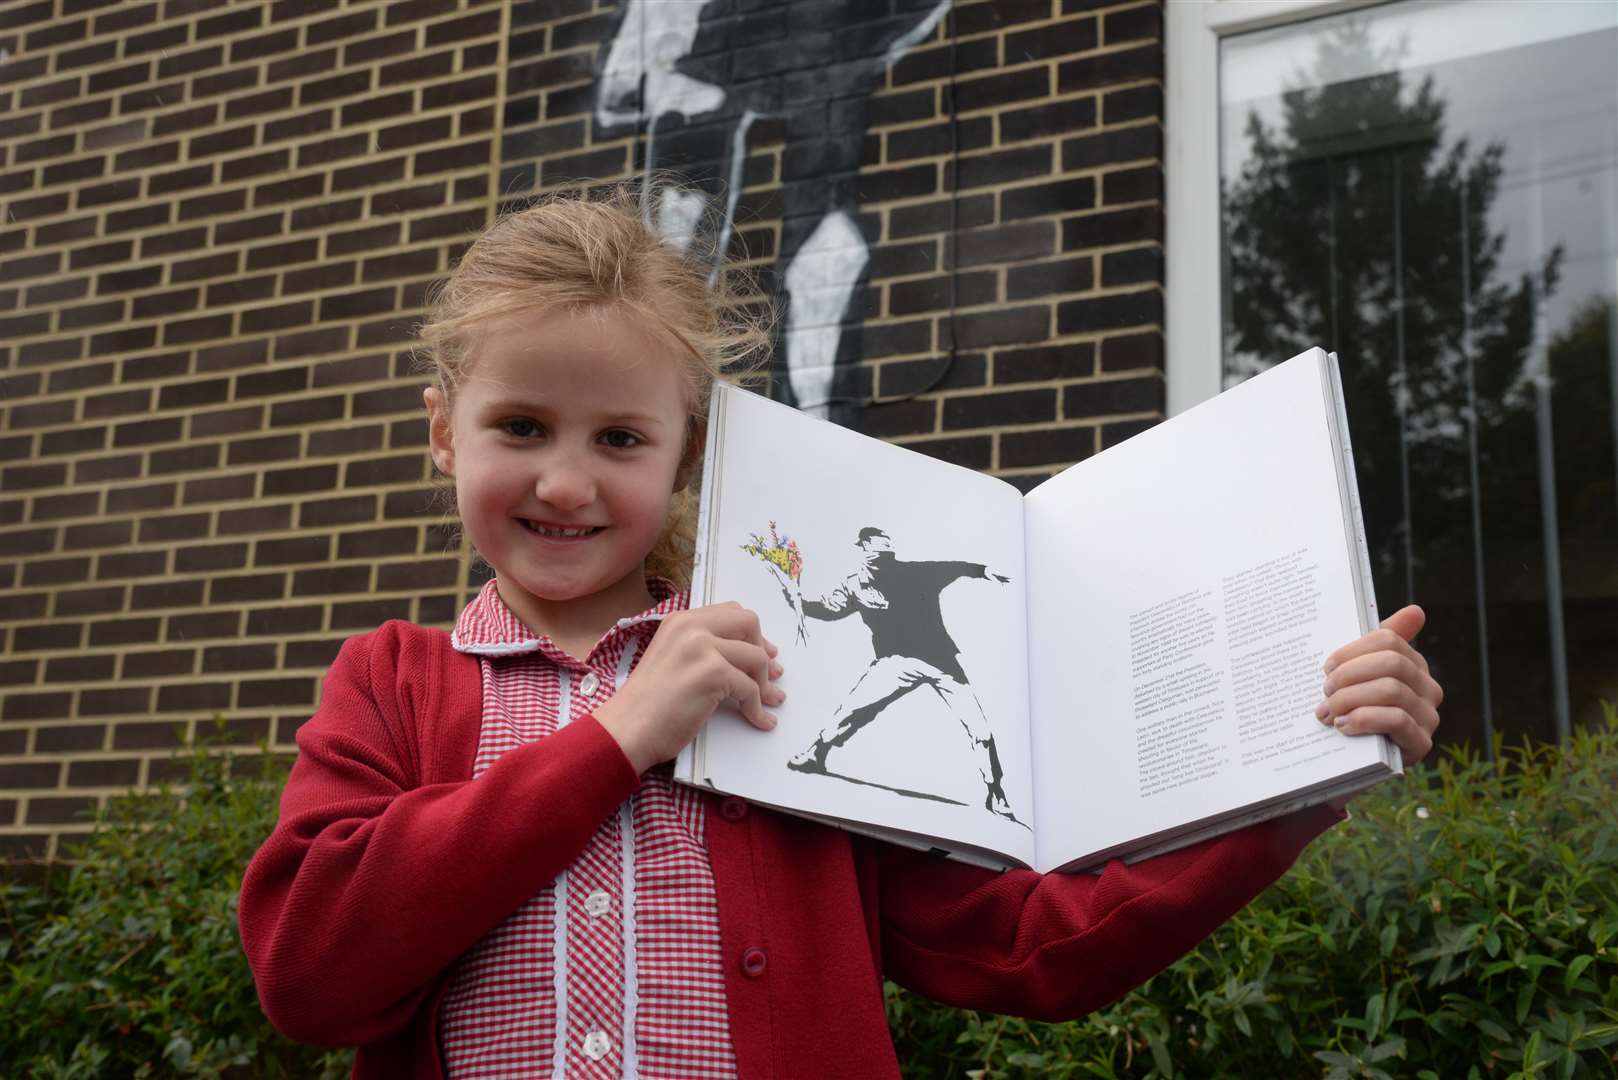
column 899, row 602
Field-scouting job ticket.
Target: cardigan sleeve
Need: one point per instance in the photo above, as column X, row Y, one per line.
column 1058, row 946
column 374, row 882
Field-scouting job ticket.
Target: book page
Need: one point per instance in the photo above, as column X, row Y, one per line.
column 893, row 585
column 1187, row 586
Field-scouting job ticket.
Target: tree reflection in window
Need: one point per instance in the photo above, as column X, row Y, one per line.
column 1359, row 222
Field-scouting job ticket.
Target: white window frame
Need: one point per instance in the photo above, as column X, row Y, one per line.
column 1192, row 285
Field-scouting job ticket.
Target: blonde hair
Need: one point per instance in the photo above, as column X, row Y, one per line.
column 593, row 250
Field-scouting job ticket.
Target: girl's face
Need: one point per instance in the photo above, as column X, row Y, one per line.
column 566, row 442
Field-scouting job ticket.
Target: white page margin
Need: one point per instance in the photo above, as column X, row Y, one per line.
column 1148, row 521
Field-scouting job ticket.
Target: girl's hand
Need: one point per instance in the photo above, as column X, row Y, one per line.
column 697, row 660
column 1379, row 683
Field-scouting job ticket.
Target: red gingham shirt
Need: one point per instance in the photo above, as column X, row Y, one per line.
column 614, row 969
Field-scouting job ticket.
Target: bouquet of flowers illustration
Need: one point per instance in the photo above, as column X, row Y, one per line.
column 783, row 559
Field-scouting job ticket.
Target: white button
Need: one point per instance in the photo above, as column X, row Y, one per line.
column 597, row 903
column 597, row 1045
column 589, row 684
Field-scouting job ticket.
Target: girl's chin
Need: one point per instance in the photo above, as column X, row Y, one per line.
column 552, row 590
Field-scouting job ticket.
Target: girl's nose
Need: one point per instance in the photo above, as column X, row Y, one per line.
column 566, row 485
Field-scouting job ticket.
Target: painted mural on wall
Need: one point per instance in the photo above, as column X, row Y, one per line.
column 695, row 76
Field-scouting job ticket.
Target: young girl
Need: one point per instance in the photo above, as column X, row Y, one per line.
column 482, row 869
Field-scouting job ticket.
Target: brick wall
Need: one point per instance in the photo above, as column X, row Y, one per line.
column 221, row 220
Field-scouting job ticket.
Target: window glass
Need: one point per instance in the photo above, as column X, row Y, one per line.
column 1431, row 191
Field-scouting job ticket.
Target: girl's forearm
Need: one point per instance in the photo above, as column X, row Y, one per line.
column 364, row 894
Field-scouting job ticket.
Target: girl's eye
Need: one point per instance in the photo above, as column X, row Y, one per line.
column 522, row 429
column 620, row 439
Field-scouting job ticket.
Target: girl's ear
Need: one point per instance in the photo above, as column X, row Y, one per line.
column 439, row 435
column 695, row 441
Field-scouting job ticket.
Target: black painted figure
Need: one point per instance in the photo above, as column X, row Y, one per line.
column 899, row 603
column 695, row 77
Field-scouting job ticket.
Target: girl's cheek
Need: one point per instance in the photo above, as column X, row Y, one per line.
column 496, row 459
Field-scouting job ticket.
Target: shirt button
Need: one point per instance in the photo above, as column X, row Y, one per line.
column 753, row 962
column 597, row 903
column 597, row 1045
column 589, row 684
column 733, row 809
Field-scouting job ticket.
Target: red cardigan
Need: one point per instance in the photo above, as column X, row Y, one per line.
column 388, row 863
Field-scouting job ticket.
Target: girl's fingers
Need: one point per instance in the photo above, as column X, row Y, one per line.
column 1385, row 664
column 749, row 659
column 1378, row 694
column 1406, row 622
column 1381, row 639
column 754, row 664
column 731, row 620
column 1414, row 738
column 744, row 690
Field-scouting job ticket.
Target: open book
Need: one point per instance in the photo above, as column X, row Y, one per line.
column 1123, row 661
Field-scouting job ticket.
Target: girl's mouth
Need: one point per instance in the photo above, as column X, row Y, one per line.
column 558, row 532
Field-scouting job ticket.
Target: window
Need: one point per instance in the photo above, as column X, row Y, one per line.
column 1429, row 189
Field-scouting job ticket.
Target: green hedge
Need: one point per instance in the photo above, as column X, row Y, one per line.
column 129, row 963
column 1464, row 923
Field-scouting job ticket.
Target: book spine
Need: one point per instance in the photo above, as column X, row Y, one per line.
column 707, row 512
column 689, row 764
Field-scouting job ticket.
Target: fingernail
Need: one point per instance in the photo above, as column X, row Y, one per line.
column 1329, row 666
column 1321, row 712
column 770, row 647
column 775, row 671
column 780, row 695
column 1340, row 723
column 772, row 718
column 1327, row 688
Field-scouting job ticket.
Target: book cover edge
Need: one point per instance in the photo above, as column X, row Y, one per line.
column 690, row 763
column 1359, row 546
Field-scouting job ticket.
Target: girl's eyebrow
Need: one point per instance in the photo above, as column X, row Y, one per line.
column 493, row 406
column 536, row 405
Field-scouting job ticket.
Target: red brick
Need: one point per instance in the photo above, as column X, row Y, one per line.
column 254, row 519
column 312, row 654
column 225, row 658
column 55, row 571
column 147, row 736
column 115, row 772
column 56, row 636
column 193, row 697
column 58, row 810
column 130, row 564
column 247, row 587
column 367, row 613
column 99, row 601
column 123, row 631
column 77, row 738
column 374, row 543
column 18, row 672
column 149, row 665
column 207, row 624
column 145, row 497
column 427, row 574
column 331, row 581
column 123, row 700
column 37, row 706
column 219, row 489
column 93, row 667
column 257, row 693
column 166, row 594
column 173, row 527
column 286, row 620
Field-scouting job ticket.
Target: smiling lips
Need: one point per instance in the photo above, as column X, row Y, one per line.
column 562, row 532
